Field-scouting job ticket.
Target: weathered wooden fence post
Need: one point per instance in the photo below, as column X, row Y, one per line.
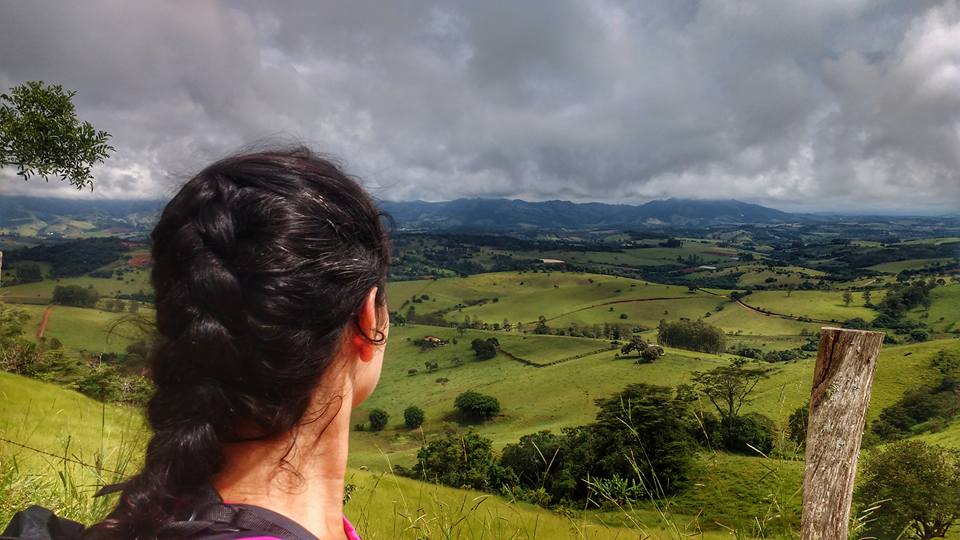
column 842, row 379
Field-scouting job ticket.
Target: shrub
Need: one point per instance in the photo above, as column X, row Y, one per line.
column 413, row 417
column 378, row 419
column 534, row 458
column 916, row 407
column 750, row 433
column 856, row 323
column 650, row 354
column 645, row 431
column 797, row 423
column 476, row 406
column 75, row 295
column 102, row 383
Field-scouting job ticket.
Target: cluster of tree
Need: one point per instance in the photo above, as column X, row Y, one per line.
column 75, row 295
column 476, row 407
column 607, row 330
column 485, row 349
column 74, row 257
column 139, row 296
column 916, row 331
column 692, row 335
column 861, row 257
column 106, row 383
column 936, row 269
column 927, row 408
column 413, row 417
column 646, row 353
column 785, row 355
column 672, row 243
column 29, row 272
column 902, row 297
column 119, row 306
column 645, row 432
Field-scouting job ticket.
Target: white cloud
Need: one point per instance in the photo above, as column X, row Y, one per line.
column 802, row 105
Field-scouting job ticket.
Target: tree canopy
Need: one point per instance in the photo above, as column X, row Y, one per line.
column 728, row 388
column 476, row 406
column 41, row 135
column 693, row 335
column 917, row 486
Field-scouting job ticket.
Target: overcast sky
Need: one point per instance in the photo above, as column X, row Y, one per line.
column 802, row 105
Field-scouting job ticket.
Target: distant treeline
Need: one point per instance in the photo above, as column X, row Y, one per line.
column 73, row 258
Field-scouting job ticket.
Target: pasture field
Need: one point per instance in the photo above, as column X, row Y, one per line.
column 80, row 328
column 559, row 390
column 54, row 419
column 759, row 275
column 132, row 282
column 823, row 305
column 944, row 312
column 525, row 296
column 531, row 398
column 562, row 395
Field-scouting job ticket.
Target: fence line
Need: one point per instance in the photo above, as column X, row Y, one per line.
column 60, row 457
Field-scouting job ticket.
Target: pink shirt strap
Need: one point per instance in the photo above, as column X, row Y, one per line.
column 349, row 530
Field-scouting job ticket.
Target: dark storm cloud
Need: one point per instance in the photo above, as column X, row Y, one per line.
column 804, row 105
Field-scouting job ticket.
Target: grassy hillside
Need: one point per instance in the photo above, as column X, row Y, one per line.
column 562, row 395
column 54, row 419
column 944, row 312
column 79, row 328
column 823, row 305
column 59, row 422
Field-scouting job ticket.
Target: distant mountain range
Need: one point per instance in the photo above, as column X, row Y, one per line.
column 504, row 214
column 74, row 218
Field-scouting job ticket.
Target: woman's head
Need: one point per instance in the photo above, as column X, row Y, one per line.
column 266, row 266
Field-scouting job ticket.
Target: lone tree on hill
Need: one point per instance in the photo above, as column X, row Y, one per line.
column 729, row 388
column 41, row 135
column 485, row 349
column 917, row 486
column 476, row 406
column 847, row 298
column 378, row 419
column 413, row 417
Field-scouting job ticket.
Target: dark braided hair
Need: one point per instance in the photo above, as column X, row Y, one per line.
column 261, row 262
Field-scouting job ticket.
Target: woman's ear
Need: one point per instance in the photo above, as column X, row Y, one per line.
column 369, row 327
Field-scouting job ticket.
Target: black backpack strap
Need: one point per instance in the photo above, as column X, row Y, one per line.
column 38, row 523
column 212, row 518
column 217, row 519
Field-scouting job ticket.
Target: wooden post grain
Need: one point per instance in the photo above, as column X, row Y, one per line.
column 842, row 380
